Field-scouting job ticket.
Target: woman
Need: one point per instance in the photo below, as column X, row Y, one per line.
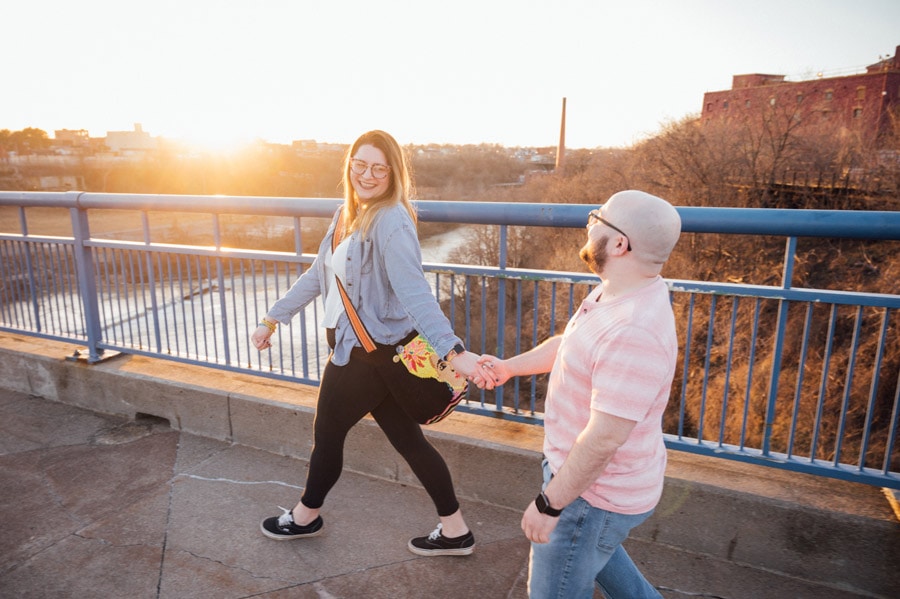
column 380, row 265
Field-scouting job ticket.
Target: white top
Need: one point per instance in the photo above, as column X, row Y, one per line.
column 335, row 264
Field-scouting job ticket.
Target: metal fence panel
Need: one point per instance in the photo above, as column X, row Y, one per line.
column 802, row 379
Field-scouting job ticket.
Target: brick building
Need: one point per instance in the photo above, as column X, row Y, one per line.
column 857, row 103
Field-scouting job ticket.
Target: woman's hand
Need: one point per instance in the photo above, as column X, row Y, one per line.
column 467, row 365
column 261, row 337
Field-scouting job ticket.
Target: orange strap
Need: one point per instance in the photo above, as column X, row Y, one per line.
column 355, row 321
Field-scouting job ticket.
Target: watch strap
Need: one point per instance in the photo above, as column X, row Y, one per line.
column 455, row 351
column 543, row 506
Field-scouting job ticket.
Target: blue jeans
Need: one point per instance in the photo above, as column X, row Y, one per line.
column 584, row 549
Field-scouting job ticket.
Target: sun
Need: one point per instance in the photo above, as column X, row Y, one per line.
column 200, row 136
column 213, row 142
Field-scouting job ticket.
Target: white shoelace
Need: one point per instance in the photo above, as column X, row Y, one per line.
column 435, row 534
column 285, row 518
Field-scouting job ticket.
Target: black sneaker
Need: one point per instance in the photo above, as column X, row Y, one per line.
column 437, row 544
column 282, row 528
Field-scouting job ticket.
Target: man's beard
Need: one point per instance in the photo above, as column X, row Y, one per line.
column 594, row 254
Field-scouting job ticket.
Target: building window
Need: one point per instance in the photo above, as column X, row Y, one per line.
column 799, row 98
column 860, row 93
column 725, row 105
column 857, row 112
column 771, row 101
column 709, row 107
column 829, row 95
column 747, row 104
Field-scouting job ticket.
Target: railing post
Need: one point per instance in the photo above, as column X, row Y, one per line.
column 29, row 269
column 220, row 281
column 790, row 252
column 87, row 284
column 790, row 255
column 151, row 282
column 501, row 306
column 298, row 250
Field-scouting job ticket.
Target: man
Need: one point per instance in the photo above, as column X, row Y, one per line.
column 610, row 376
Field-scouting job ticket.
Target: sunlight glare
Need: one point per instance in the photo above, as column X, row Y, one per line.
column 213, row 141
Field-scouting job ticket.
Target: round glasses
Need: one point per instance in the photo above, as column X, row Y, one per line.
column 594, row 217
column 379, row 171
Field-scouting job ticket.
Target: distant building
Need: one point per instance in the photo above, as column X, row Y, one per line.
column 73, row 138
column 857, row 103
column 305, row 145
column 312, row 146
column 130, row 141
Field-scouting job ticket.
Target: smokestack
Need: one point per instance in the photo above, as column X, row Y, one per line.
column 561, row 150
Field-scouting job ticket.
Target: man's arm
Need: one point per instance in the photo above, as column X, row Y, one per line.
column 589, row 457
column 535, row 361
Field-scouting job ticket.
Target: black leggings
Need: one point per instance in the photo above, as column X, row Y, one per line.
column 346, row 395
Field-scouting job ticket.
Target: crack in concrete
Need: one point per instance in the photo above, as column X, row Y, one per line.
column 251, row 573
column 109, row 543
column 57, row 499
column 213, row 455
column 238, row 482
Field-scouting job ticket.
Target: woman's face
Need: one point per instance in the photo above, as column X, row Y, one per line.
column 370, row 173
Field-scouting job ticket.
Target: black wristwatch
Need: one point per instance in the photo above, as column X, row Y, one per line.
column 543, row 506
column 455, row 351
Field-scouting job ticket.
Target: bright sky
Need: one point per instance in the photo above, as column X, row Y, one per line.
column 457, row 72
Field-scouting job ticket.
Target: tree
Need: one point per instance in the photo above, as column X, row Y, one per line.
column 28, row 141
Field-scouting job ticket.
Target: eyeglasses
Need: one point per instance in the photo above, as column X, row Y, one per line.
column 594, row 217
column 379, row 171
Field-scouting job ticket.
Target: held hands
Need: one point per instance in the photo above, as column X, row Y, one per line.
column 485, row 371
column 494, row 372
column 467, row 365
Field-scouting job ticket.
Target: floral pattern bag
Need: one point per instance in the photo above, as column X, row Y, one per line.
column 420, row 360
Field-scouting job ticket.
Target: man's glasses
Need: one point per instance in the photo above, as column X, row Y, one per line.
column 594, row 217
column 379, row 171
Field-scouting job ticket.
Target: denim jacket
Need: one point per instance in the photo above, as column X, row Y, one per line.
column 385, row 282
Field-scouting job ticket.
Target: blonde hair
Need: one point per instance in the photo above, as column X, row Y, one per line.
column 400, row 188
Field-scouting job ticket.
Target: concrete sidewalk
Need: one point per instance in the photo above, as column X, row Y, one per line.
column 100, row 506
column 95, row 506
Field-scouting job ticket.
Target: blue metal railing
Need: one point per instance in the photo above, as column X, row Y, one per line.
column 795, row 378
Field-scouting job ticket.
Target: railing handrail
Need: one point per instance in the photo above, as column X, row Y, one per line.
column 782, row 222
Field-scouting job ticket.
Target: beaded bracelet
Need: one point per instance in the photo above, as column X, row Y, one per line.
column 268, row 324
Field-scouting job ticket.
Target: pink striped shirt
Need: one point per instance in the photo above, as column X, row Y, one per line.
column 619, row 358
